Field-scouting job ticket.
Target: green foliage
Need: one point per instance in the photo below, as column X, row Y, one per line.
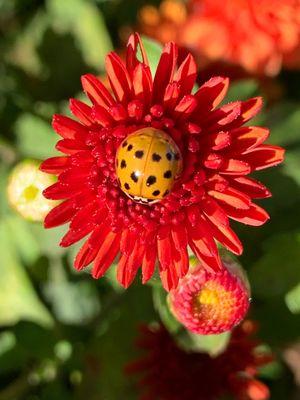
column 64, row 335
column 18, row 298
column 35, row 138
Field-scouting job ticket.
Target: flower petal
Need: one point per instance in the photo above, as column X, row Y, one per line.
column 60, row 214
column 211, row 93
column 264, row 156
column 96, row 91
column 118, row 77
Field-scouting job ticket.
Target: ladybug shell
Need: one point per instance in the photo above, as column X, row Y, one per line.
column 147, row 164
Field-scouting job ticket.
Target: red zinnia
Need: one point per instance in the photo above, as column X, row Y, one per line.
column 257, row 35
column 170, row 373
column 209, row 303
column 216, row 152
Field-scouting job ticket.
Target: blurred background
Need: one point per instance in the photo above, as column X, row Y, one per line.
column 64, row 335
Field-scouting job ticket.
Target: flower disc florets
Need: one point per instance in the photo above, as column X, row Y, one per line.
column 210, row 303
column 217, row 154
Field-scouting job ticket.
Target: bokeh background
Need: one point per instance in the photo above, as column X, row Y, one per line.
column 64, row 335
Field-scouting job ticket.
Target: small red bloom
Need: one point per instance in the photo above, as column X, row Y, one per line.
column 209, row 303
column 258, row 35
column 170, row 373
column 216, row 151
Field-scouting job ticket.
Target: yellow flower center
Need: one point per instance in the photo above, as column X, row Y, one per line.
column 214, row 302
column 208, row 297
column 30, row 193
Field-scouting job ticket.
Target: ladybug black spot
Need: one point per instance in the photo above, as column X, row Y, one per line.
column 123, row 164
column 139, row 154
column 129, row 148
column 151, row 180
column 134, row 177
column 169, row 156
column 156, row 193
column 126, row 186
column 156, row 157
column 168, row 174
column 124, row 144
column 166, row 193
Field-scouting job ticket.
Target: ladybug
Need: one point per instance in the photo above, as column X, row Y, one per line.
column 147, row 164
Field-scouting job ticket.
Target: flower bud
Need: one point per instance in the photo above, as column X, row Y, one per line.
column 24, row 190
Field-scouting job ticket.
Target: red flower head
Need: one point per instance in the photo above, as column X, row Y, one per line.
column 170, row 373
column 254, row 34
column 210, row 303
column 153, row 168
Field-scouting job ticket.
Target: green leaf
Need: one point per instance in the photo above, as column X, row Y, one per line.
column 284, row 121
column 276, row 272
column 18, row 300
column 35, row 138
column 292, row 299
column 160, row 302
column 242, row 90
column 153, row 50
column 291, row 166
column 211, row 344
column 23, row 239
column 23, row 53
column 85, row 21
column 63, row 294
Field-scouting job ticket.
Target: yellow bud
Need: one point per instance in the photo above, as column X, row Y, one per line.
column 24, row 190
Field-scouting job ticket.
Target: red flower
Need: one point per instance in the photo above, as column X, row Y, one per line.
column 217, row 154
column 257, row 35
column 209, row 303
column 170, row 373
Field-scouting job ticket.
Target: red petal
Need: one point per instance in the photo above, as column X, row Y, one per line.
column 214, row 212
column 215, row 141
column 186, row 75
column 226, row 236
column 253, row 188
column 164, row 250
column 54, row 165
column 264, row 156
column 68, row 128
column 70, row 146
column 210, row 95
column 82, row 111
column 251, row 108
column 133, row 43
column 96, row 91
column 223, row 118
column 118, row 77
column 127, row 242
column 247, row 138
column 169, row 278
column 84, row 216
column 142, row 83
column 102, row 116
column 232, row 197
column 106, row 255
column 60, row 191
column 165, row 71
column 60, row 214
column 148, row 264
column 129, row 265
column 255, row 216
column 234, row 167
column 85, row 256
column 73, row 236
column 171, row 95
column 185, row 107
column 179, row 236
